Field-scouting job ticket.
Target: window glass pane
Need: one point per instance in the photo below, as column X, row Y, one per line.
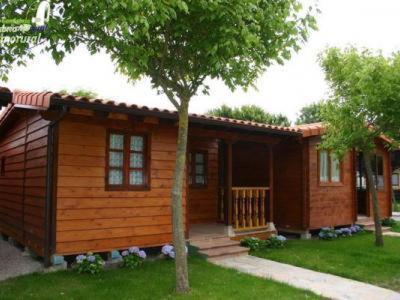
column 395, row 179
column 200, row 179
column 136, row 160
column 136, row 178
column 323, row 166
column 379, row 164
column 335, row 169
column 373, row 164
column 381, row 183
column 136, row 143
column 115, row 177
column 199, row 158
column 116, row 141
column 116, row 159
column 199, row 169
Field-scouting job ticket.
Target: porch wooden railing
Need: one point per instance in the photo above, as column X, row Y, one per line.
column 249, row 207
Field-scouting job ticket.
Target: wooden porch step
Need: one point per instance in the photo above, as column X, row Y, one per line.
column 365, row 222
column 225, row 252
column 219, row 247
column 369, row 225
column 214, row 243
column 372, row 228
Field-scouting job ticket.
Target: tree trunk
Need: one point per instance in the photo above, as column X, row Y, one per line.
column 181, row 269
column 374, row 196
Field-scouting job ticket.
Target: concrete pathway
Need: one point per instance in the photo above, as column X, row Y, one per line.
column 396, row 215
column 13, row 262
column 392, row 233
column 330, row 286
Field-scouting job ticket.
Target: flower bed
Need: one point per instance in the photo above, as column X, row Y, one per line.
column 274, row 241
column 89, row 263
column 329, row 233
column 133, row 257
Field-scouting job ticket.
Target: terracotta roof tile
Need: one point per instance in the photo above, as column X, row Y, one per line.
column 193, row 115
column 43, row 101
column 311, row 129
column 37, row 100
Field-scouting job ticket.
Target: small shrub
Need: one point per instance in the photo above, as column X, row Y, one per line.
column 89, row 263
column 389, row 222
column 327, row 233
column 133, row 257
column 252, row 243
column 169, row 251
column 275, row 241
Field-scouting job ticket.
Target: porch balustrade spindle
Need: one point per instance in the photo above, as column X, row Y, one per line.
column 236, row 208
column 262, row 208
column 250, row 211
column 249, row 204
column 243, row 208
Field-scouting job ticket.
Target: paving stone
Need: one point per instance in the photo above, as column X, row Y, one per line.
column 326, row 285
column 14, row 263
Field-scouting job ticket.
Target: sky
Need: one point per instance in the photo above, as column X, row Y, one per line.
column 283, row 89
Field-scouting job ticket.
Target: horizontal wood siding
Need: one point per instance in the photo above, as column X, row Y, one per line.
column 89, row 218
column 330, row 205
column 23, row 188
column 288, row 193
column 203, row 201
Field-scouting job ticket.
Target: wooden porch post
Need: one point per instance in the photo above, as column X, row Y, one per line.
column 229, row 181
column 271, row 184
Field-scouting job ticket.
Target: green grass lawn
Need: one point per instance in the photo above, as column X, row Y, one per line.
column 154, row 280
column 353, row 257
column 396, row 227
column 396, row 206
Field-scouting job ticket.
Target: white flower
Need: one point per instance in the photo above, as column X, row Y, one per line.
column 142, row 254
column 167, row 249
column 281, row 238
column 134, row 250
column 171, row 254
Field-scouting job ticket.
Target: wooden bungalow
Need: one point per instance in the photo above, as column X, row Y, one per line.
column 80, row 175
column 333, row 193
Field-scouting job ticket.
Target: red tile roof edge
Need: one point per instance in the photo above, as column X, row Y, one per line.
column 43, row 101
column 312, row 129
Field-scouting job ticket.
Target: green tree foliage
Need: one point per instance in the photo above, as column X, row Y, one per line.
column 80, row 93
column 311, row 113
column 364, row 104
column 250, row 113
column 177, row 44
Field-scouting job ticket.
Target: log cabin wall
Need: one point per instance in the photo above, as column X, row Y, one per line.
column 23, row 149
column 89, row 218
column 203, row 201
column 288, row 191
column 331, row 205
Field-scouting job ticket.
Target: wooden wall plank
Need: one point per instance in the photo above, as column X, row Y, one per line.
column 91, row 218
column 22, row 188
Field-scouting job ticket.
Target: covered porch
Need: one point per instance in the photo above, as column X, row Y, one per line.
column 237, row 198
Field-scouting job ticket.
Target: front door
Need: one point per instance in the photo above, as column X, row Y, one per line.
column 361, row 185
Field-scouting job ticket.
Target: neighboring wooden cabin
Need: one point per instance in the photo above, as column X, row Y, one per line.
column 332, row 193
column 82, row 175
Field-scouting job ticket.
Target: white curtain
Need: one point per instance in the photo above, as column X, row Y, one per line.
column 335, row 169
column 323, row 166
